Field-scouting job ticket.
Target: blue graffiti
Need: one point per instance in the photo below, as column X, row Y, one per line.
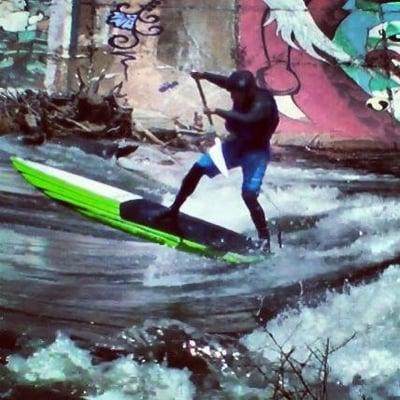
column 122, row 20
column 142, row 22
column 168, row 86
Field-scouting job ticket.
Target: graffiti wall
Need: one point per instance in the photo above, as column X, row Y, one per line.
column 333, row 65
column 23, row 42
column 155, row 45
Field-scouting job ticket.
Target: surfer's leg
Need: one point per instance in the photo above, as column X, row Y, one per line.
column 189, row 184
column 254, row 165
column 257, row 213
column 203, row 166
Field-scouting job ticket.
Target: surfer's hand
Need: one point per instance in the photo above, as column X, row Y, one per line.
column 208, row 141
column 197, row 75
column 208, row 111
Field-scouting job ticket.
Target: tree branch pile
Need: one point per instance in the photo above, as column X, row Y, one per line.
column 39, row 117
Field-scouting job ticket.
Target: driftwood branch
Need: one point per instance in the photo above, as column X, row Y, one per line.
column 78, row 124
column 287, row 379
column 152, row 137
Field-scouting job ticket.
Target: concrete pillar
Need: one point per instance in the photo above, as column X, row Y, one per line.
column 59, row 44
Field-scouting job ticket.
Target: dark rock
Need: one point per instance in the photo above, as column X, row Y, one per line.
column 9, row 340
column 56, row 392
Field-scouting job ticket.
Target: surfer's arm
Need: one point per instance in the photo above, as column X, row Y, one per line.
column 257, row 113
column 216, row 79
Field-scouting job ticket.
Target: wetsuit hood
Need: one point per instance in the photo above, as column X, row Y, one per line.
column 243, row 81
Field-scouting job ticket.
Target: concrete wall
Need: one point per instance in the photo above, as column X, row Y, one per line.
column 148, row 48
column 150, row 51
column 195, row 35
column 333, row 66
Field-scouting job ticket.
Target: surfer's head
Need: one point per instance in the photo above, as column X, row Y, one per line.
column 242, row 86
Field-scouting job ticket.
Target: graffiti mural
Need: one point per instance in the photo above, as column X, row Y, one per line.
column 333, row 65
column 23, row 42
column 377, row 47
column 142, row 22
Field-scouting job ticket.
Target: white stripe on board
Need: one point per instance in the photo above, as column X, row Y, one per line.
column 81, row 182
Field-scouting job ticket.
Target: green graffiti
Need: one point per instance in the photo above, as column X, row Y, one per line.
column 6, row 62
column 371, row 35
column 23, row 43
column 23, row 58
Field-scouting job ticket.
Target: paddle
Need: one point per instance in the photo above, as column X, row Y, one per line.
column 214, row 151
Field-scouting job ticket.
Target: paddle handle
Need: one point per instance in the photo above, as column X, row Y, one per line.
column 203, row 99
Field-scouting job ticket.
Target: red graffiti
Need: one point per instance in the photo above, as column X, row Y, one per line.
column 314, row 94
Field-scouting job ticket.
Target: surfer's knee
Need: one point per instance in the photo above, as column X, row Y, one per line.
column 249, row 196
column 197, row 171
column 251, row 185
column 192, row 178
column 206, row 164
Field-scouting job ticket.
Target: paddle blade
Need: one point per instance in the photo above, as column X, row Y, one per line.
column 217, row 156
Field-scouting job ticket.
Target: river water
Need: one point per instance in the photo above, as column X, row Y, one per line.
column 90, row 312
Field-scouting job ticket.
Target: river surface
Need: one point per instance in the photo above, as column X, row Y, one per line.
column 90, row 312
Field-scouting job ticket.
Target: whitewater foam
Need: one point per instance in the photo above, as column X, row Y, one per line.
column 371, row 312
column 124, row 378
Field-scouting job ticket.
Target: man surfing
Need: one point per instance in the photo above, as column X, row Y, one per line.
column 251, row 122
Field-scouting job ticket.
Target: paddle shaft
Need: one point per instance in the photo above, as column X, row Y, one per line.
column 203, row 99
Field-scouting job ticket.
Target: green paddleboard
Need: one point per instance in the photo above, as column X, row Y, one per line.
column 137, row 216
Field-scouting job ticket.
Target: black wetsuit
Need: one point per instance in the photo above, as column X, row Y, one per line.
column 252, row 124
